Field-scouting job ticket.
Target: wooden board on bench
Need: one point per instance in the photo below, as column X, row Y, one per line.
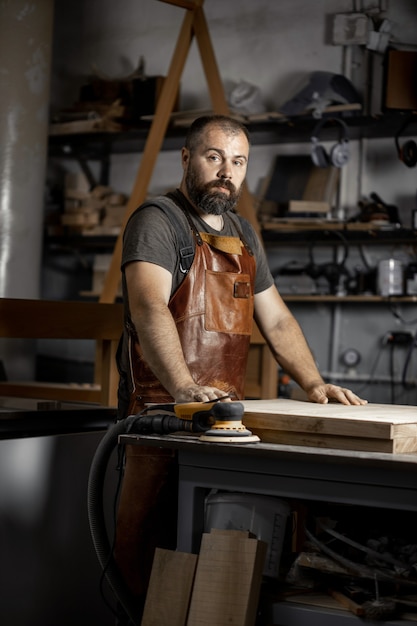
column 372, row 427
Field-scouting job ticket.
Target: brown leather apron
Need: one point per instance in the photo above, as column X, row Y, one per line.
column 213, row 312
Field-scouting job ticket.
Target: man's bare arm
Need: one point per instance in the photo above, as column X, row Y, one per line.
column 149, row 288
column 290, row 349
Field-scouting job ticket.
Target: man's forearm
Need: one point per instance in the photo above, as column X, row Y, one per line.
column 293, row 354
column 161, row 348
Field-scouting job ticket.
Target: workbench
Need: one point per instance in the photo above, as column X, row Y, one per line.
column 30, row 417
column 368, row 479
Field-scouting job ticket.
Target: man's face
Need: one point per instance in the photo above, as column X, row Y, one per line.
column 216, row 169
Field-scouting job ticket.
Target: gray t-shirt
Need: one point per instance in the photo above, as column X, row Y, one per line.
column 150, row 236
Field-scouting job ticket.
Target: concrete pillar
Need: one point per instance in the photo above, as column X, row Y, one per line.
column 25, row 60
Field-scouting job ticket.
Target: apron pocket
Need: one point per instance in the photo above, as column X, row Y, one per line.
column 229, row 303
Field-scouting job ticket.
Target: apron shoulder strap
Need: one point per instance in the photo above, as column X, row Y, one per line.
column 244, row 229
column 170, row 208
column 170, row 204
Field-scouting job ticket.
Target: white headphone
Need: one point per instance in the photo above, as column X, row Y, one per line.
column 339, row 153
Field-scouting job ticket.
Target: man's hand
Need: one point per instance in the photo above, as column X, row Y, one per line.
column 324, row 392
column 197, row 393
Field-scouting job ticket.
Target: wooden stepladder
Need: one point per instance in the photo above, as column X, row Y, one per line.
column 194, row 25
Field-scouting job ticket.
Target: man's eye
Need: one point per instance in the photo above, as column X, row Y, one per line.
column 214, row 157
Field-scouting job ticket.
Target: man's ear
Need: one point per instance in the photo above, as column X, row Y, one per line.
column 185, row 157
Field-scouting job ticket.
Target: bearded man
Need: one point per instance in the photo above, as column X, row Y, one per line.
column 194, row 276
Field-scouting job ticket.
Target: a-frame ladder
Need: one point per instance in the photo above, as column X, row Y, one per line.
column 194, row 25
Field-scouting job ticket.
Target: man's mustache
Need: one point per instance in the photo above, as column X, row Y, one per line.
column 223, row 183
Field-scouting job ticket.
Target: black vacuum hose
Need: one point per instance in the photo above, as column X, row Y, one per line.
column 140, row 423
column 97, row 521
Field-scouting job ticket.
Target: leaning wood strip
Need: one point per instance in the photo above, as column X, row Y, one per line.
column 228, row 579
column 170, row 587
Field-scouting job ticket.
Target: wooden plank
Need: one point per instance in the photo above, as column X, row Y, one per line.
column 308, row 206
column 347, row 602
column 372, row 428
column 279, row 223
column 375, row 421
column 361, row 444
column 404, row 445
column 26, row 319
column 314, row 599
column 228, row 580
column 169, row 590
column 70, row 392
column 322, row 425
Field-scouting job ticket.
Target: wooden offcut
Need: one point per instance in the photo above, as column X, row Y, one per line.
column 228, row 579
column 319, row 192
column 169, row 591
column 321, row 185
column 347, row 602
column 372, row 427
column 295, row 188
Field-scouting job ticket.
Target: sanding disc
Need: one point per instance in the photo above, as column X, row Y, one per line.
column 227, row 436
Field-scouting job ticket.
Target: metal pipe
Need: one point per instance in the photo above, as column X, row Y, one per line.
column 25, row 60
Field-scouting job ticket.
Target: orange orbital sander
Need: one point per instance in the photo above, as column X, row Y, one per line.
column 221, row 422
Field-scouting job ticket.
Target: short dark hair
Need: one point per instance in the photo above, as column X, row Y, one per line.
column 228, row 124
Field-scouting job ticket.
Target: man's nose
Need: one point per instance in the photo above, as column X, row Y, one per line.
column 225, row 171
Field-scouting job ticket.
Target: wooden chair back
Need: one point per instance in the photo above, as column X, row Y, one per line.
column 44, row 319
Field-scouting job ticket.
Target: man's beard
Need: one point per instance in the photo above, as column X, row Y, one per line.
column 210, row 200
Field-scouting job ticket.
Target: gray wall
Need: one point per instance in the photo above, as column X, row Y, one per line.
column 49, row 573
column 274, row 46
